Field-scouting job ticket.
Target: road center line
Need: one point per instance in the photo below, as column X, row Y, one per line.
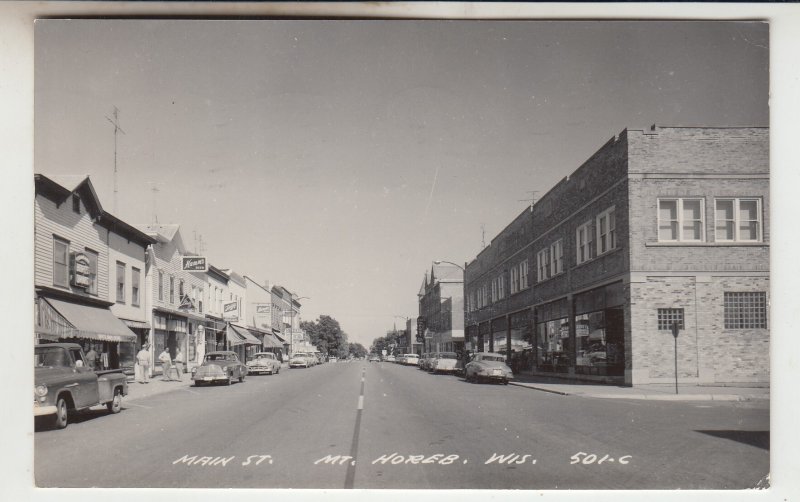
column 360, row 402
column 351, row 468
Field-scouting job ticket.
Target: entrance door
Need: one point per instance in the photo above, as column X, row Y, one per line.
column 615, row 341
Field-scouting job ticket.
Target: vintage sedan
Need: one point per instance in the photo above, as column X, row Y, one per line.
column 263, row 362
column 221, row 366
column 488, row 366
column 301, row 360
column 445, row 362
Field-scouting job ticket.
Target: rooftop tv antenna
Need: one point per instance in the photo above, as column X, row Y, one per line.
column 117, row 128
column 483, row 236
column 155, row 191
column 532, row 200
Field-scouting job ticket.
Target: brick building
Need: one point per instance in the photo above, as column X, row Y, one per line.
column 660, row 227
column 441, row 304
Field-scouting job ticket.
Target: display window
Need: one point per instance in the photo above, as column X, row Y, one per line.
column 553, row 345
column 600, row 344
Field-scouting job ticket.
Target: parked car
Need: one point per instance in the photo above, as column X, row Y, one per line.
column 374, row 358
column 221, row 366
column 488, row 366
column 430, row 360
column 332, row 359
column 64, row 383
column 445, row 362
column 301, row 360
column 411, row 359
column 423, row 361
column 390, row 359
column 264, row 362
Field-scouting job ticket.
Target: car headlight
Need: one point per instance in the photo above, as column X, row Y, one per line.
column 40, row 390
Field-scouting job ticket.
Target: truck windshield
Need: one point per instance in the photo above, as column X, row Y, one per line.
column 50, row 357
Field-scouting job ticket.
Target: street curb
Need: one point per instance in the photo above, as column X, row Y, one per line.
column 666, row 397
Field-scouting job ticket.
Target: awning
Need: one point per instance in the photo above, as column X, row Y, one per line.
column 279, row 336
column 241, row 335
column 136, row 324
column 271, row 341
column 92, row 322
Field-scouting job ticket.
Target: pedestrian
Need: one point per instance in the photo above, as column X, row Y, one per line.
column 91, row 358
column 179, row 363
column 143, row 358
column 166, row 364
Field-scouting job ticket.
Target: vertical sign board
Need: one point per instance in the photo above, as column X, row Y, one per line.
column 420, row 329
column 194, row 264
column 230, row 311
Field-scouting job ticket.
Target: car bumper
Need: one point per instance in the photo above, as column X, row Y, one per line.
column 298, row 365
column 43, row 410
column 259, row 369
column 210, row 378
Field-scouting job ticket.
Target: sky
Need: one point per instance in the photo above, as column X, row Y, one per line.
column 340, row 158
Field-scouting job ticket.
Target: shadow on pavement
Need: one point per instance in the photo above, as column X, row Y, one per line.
column 759, row 439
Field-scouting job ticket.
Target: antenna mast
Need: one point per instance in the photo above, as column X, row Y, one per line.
column 117, row 128
column 532, row 200
column 155, row 191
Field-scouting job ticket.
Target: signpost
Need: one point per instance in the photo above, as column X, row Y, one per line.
column 675, row 330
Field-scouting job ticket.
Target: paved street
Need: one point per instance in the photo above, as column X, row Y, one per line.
column 409, row 430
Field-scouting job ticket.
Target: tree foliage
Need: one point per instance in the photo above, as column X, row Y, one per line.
column 388, row 343
column 326, row 334
column 357, row 350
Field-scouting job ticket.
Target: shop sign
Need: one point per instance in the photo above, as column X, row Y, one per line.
column 420, row 326
column 81, row 270
column 263, row 308
column 194, row 264
column 230, row 311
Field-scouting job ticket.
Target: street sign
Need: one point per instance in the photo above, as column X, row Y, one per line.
column 676, row 327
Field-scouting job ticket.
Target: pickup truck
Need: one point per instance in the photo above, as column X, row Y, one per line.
column 64, row 383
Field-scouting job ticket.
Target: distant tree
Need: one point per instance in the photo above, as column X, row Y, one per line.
column 357, row 350
column 326, row 334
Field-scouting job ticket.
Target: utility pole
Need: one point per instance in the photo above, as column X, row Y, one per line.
column 117, row 128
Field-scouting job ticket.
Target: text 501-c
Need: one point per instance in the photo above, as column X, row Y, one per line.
column 590, row 458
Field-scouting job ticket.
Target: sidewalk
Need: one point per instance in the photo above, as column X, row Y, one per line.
column 660, row 392
column 155, row 386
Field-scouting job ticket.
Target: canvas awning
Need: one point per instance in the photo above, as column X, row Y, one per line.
column 92, row 322
column 271, row 341
column 241, row 335
column 136, row 324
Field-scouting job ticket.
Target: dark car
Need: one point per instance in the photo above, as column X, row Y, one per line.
column 222, row 366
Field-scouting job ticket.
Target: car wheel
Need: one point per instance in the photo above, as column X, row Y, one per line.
column 277, row 370
column 115, row 405
column 62, row 414
column 230, row 379
column 505, row 382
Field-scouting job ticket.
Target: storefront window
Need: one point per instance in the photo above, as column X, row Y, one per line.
column 600, row 342
column 552, row 345
column 522, row 355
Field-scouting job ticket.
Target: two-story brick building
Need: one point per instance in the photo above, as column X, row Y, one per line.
column 88, row 272
column 660, row 228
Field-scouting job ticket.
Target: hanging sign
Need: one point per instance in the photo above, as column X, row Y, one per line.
column 194, row 264
column 230, row 311
column 81, row 270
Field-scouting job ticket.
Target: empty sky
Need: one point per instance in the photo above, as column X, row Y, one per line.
column 339, row 158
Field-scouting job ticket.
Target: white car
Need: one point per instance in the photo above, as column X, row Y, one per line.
column 411, row 359
column 301, row 360
column 332, row 359
column 264, row 362
column 445, row 362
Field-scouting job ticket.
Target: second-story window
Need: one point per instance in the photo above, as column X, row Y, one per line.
column 584, row 239
column 76, row 203
column 557, row 257
column 680, row 220
column 523, row 275
column 120, row 282
column 60, row 262
column 180, row 290
column 606, row 231
column 501, row 286
column 543, row 264
column 135, row 286
column 737, row 220
column 171, row 289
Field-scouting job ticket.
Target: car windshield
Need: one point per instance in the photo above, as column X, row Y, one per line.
column 219, row 357
column 448, row 355
column 494, row 358
column 264, row 356
column 51, row 357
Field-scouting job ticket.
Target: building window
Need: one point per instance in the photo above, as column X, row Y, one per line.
column 737, row 220
column 171, row 289
column 92, row 256
column 523, row 275
column 501, row 286
column 543, row 264
column 606, row 231
column 668, row 317
column 135, row 286
column 680, row 220
column 514, row 280
column 160, row 286
column 494, row 290
column 584, row 237
column 200, row 303
column 60, row 262
column 180, row 290
column 557, row 257
column 746, row 310
column 76, row 203
column 120, row 282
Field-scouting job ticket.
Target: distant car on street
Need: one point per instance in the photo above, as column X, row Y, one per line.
column 332, row 359
column 222, row 366
column 411, row 359
column 445, row 362
column 374, row 358
column 390, row 359
column 263, row 362
column 488, row 366
column 302, row 360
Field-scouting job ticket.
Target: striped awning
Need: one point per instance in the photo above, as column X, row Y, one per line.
column 136, row 324
column 84, row 321
column 238, row 335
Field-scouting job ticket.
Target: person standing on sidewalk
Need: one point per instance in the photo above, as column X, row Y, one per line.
column 166, row 364
column 179, row 363
column 143, row 358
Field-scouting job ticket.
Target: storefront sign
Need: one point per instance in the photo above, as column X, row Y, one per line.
column 230, row 311
column 194, row 264
column 81, row 271
column 263, row 308
column 420, row 326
